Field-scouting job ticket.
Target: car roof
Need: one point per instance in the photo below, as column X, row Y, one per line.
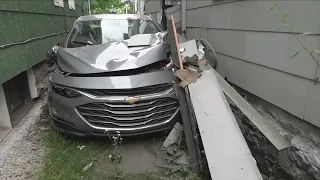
column 113, row 16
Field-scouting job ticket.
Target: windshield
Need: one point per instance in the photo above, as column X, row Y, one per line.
column 107, row 31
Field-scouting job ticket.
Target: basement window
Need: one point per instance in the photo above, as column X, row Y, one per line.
column 18, row 98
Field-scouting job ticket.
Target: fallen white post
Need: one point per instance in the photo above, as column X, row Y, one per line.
column 227, row 152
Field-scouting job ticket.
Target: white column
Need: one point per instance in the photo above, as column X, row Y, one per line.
column 4, row 113
column 32, row 83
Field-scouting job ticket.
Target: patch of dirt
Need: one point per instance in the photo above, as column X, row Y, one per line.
column 21, row 153
column 138, row 155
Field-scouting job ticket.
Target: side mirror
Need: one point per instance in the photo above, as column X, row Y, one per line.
column 209, row 53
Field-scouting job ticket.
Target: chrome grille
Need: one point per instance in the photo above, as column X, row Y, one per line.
column 131, row 92
column 110, row 115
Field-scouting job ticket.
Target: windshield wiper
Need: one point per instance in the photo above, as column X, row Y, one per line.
column 83, row 42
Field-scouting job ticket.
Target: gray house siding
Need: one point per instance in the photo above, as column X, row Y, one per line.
column 254, row 50
column 152, row 8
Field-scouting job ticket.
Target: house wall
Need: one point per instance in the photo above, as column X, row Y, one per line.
column 29, row 28
column 254, row 50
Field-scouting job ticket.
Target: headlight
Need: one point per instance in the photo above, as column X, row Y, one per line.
column 65, row 92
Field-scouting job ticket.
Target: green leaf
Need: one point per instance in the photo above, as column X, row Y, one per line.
column 284, row 17
column 307, row 33
column 274, row 5
column 295, row 54
column 319, row 74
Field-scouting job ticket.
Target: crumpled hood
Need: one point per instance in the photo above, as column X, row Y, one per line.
column 108, row 57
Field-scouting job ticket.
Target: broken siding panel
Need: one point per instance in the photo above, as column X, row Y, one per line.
column 21, row 20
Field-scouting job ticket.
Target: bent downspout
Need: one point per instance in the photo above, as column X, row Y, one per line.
column 184, row 16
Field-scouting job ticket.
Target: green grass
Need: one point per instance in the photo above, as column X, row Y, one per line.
column 65, row 161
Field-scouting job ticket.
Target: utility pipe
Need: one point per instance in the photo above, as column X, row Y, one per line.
column 184, row 16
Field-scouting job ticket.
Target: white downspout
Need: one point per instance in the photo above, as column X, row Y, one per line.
column 184, row 16
column 89, row 6
column 141, row 7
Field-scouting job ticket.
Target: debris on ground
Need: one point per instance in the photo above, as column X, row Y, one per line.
column 115, row 158
column 190, row 49
column 87, row 167
column 81, row 147
column 177, row 164
column 187, row 76
column 183, row 159
column 193, row 62
column 175, row 136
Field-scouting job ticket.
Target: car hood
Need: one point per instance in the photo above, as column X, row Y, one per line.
column 108, row 57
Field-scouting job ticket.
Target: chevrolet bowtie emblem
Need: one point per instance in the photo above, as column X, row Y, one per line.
column 131, row 100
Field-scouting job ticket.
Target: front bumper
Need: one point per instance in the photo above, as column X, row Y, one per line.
column 67, row 117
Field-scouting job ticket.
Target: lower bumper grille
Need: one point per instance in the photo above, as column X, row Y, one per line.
column 112, row 115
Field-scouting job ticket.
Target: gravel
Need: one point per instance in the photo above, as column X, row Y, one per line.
column 21, row 153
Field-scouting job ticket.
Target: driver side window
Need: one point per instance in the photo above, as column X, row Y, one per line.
column 144, row 27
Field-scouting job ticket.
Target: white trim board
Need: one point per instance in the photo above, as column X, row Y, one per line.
column 228, row 155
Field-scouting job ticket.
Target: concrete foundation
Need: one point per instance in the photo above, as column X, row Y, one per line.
column 5, row 122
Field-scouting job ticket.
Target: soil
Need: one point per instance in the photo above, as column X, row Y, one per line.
column 138, row 155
